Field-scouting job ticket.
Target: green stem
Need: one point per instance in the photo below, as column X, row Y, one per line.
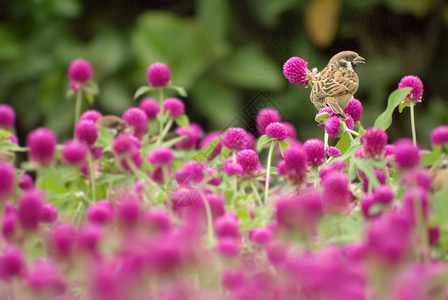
column 210, row 233
column 414, row 136
column 422, row 229
column 257, row 195
column 326, row 139
column 165, row 130
column 268, row 171
column 77, row 107
column 143, row 176
column 92, row 176
column 162, row 117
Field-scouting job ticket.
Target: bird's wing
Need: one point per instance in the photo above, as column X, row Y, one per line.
column 334, row 81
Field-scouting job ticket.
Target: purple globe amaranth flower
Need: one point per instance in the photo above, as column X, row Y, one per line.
column 162, row 155
column 232, row 168
column 7, row 116
column 374, row 142
column 100, row 213
column 227, row 227
column 333, row 126
column 439, row 135
column 249, row 161
column 416, row 196
column 30, row 209
column 193, row 134
column 417, row 177
column 406, row 154
column 383, row 194
column 128, row 213
column 291, row 131
column 42, row 143
column 174, row 106
column 157, row 219
column 159, row 74
column 277, row 130
column 62, row 239
column 336, row 195
column 228, row 247
column 45, row 277
column 86, row 132
column 88, row 238
column 315, row 152
column 261, row 235
column 80, row 71
column 333, row 151
column 281, row 167
column 349, row 121
column 235, row 138
column 11, row 263
column 137, row 119
column 151, row 107
column 379, row 174
column 91, row 115
column 49, row 213
column 123, row 144
column 74, row 153
column 191, row 172
column 7, row 180
column 265, row 117
column 207, row 139
column 416, row 94
column 295, row 163
column 26, row 182
column 233, row 279
column 354, row 109
column 296, row 71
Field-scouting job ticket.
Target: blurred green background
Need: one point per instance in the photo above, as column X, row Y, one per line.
column 225, row 53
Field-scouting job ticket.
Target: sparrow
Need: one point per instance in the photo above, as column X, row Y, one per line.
column 113, row 123
column 440, row 175
column 336, row 84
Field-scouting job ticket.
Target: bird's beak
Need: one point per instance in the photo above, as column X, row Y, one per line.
column 359, row 60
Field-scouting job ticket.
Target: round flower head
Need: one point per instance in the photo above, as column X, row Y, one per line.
column 62, row 239
column 439, row 135
column 291, row 130
column 49, row 213
column 191, row 172
column 128, row 211
column 406, row 154
column 249, row 161
column 295, row 163
column 30, row 209
column 7, row 116
column 100, row 212
column 80, row 71
column 233, row 279
column 174, row 106
column 265, row 117
column 383, row 194
column 417, row 88
column 162, row 155
column 228, row 247
column 6, row 180
column 231, row 168
column 11, row 263
column 418, row 177
column 192, row 134
column 159, row 74
column 42, row 143
column 207, row 139
column 349, row 121
column 277, row 130
column 354, row 109
column 227, row 226
column 86, row 132
column 235, row 138
column 151, row 107
column 336, row 196
column 46, row 278
column 333, row 126
column 136, row 118
column 296, row 71
column 74, row 152
column 91, row 115
column 315, row 152
column 374, row 142
column 281, row 167
column 261, row 235
column 26, row 182
column 333, row 151
column 124, row 144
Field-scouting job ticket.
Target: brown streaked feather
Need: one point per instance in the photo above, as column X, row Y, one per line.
column 334, row 81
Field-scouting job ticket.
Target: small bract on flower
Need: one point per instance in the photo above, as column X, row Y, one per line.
column 296, row 71
column 417, row 88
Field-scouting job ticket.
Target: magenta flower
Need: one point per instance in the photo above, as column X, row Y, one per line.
column 291, row 130
column 261, row 235
column 265, row 117
column 296, row 71
column 74, row 153
column 174, row 106
column 7, row 116
column 191, row 172
column 333, row 151
column 207, row 139
column 374, row 142
column 49, row 213
column 379, row 173
column 159, row 74
column 336, row 195
column 42, row 143
column 30, row 209
column 11, row 263
column 249, row 161
column 231, row 168
column 295, row 163
column 227, row 227
column 128, row 212
column 91, row 115
column 417, row 88
column 406, row 154
column 86, row 132
column 439, row 135
column 62, row 239
column 157, row 219
column 88, row 238
column 45, row 277
column 193, row 134
column 26, row 182
column 151, row 107
column 315, row 152
column 100, row 213
column 333, row 126
column 162, row 155
column 277, row 130
column 124, row 144
column 354, row 109
column 235, row 138
column 233, row 279
column 80, row 71
column 228, row 247
column 7, row 180
column 418, row 177
column 136, row 118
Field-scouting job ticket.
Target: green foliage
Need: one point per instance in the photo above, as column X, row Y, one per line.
column 385, row 119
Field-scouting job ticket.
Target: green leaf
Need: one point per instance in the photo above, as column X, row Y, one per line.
column 91, row 88
column 70, row 93
column 111, row 178
column 364, row 166
column 440, row 206
column 343, row 144
column 225, row 151
column 8, row 145
column 105, row 138
column 385, row 119
column 141, row 91
column 263, row 140
column 321, row 117
column 180, row 90
column 283, row 146
column 183, row 121
column 202, row 155
column 403, row 105
column 349, row 153
column 214, row 18
column 430, row 158
column 90, row 98
column 241, row 213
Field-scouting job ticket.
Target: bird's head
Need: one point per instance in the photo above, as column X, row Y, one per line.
column 347, row 59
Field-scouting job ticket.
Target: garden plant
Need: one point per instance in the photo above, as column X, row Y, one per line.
column 147, row 205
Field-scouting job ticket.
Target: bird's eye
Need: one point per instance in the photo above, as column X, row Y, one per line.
column 347, row 57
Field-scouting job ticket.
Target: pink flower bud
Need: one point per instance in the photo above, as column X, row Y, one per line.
column 265, row 117
column 74, row 153
column 276, row 130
